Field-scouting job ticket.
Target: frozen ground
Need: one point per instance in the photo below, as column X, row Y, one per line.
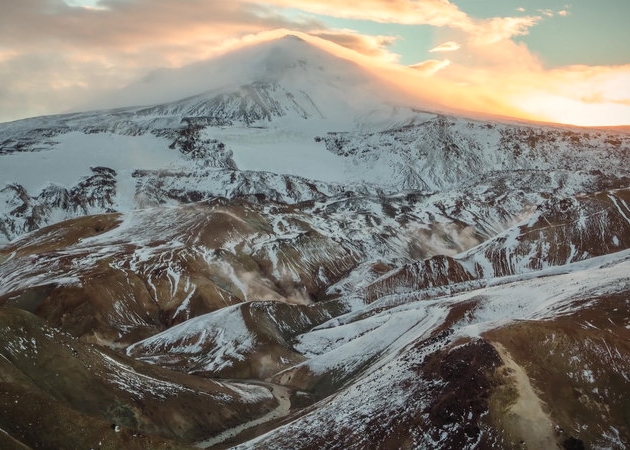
column 284, row 152
column 71, row 158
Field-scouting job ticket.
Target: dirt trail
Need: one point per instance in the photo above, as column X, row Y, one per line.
column 282, row 395
column 526, row 419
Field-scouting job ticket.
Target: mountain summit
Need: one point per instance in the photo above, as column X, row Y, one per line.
column 286, row 76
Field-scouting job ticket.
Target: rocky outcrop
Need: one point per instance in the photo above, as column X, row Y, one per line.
column 24, row 212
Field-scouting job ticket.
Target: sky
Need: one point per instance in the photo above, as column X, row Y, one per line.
column 565, row 61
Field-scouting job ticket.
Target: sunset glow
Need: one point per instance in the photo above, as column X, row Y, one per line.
column 56, row 55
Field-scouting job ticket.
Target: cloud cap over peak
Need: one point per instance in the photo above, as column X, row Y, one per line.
column 57, row 54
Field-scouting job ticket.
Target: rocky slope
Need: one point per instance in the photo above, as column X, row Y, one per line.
column 373, row 367
column 160, row 293
column 560, row 232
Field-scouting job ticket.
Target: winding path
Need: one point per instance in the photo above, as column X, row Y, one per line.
column 282, row 396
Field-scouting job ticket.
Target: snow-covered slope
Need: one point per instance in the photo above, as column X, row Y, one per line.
column 439, row 154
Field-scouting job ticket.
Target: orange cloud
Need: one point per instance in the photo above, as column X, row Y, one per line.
column 438, row 13
column 497, row 29
column 581, row 95
column 430, row 66
column 514, row 82
column 373, row 46
column 449, row 46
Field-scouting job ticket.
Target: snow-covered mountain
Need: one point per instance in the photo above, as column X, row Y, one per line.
column 284, row 120
column 275, row 251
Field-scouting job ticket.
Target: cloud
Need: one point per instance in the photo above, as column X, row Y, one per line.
column 437, row 13
column 505, row 78
column 497, row 29
column 427, row 12
column 137, row 25
column 373, row 46
column 430, row 66
column 594, row 93
column 449, row 46
column 38, row 83
column 516, row 83
column 552, row 13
